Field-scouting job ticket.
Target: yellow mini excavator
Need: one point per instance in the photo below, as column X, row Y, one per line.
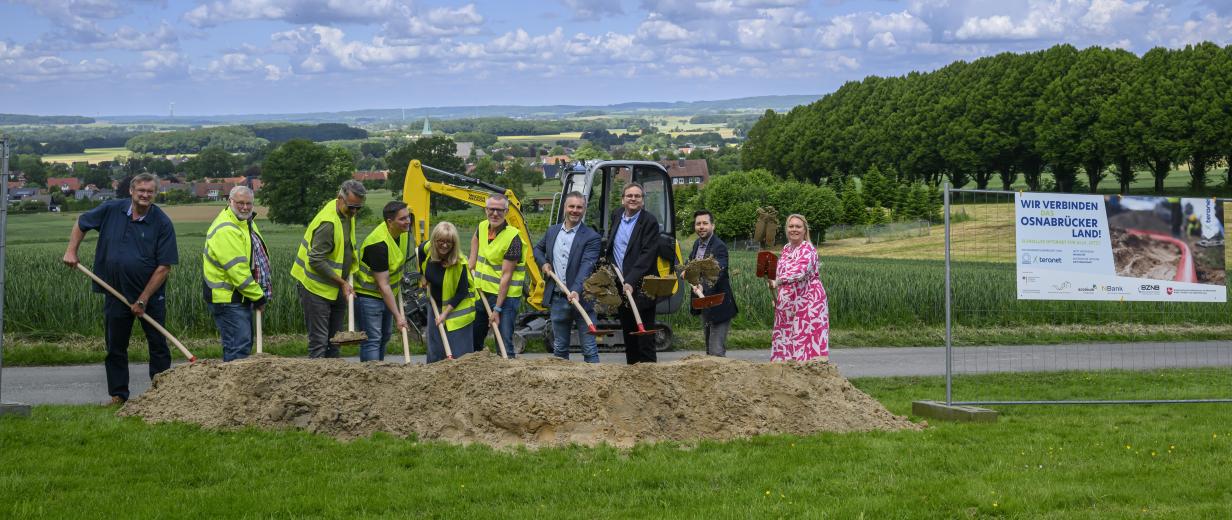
column 601, row 184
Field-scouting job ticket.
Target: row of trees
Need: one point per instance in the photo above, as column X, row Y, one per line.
column 238, row 139
column 735, row 197
column 65, row 140
column 1060, row 111
column 509, row 126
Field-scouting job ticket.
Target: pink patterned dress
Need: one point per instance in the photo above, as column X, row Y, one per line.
column 802, row 316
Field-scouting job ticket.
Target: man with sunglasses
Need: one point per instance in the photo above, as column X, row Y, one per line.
column 325, row 258
column 500, row 273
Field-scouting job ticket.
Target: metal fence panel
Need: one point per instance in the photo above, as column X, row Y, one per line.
column 980, row 285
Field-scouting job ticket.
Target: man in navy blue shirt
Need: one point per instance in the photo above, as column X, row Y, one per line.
column 136, row 249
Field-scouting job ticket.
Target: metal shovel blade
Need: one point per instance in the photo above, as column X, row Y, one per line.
column 706, row 302
column 348, row 337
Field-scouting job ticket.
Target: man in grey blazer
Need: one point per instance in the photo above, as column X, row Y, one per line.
column 569, row 250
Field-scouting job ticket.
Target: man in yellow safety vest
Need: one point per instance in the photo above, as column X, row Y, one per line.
column 379, row 278
column 325, row 257
column 237, row 274
column 500, row 273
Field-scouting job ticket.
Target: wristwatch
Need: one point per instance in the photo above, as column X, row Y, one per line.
column 496, row 309
column 141, row 303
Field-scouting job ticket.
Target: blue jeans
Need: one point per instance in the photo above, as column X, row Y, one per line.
column 234, row 322
column 377, row 322
column 460, row 342
column 508, row 315
column 565, row 319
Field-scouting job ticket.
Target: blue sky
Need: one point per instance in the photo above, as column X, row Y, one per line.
column 114, row 57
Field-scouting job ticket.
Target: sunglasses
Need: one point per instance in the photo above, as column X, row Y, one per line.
column 355, row 207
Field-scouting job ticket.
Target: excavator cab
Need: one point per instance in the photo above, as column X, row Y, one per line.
column 602, row 184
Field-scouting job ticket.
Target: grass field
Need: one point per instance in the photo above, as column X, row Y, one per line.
column 545, row 138
column 1055, row 462
column 97, row 155
column 91, row 155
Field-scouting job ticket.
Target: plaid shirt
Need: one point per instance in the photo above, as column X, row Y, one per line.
column 261, row 266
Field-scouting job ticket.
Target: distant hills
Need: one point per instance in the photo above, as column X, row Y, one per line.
column 21, row 119
column 392, row 115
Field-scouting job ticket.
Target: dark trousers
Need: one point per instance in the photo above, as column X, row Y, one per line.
column 118, row 328
column 323, row 319
column 638, row 349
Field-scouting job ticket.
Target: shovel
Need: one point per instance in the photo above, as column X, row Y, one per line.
column 350, row 336
column 590, row 325
column 495, row 333
column 258, row 323
column 436, row 311
column 144, row 316
column 406, row 344
column 705, row 302
column 767, row 264
column 637, row 316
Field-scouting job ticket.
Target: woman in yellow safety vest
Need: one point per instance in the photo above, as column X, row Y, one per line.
column 381, row 259
column 449, row 285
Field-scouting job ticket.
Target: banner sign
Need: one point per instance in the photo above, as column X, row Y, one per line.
column 1115, row 248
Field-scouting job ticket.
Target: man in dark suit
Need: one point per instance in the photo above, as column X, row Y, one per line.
column 575, row 247
column 632, row 247
column 716, row 321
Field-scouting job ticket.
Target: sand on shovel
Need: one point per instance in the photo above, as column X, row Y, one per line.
column 481, row 398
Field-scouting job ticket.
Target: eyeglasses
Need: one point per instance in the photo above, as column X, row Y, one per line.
column 633, row 195
column 496, row 210
column 355, row 207
column 444, row 242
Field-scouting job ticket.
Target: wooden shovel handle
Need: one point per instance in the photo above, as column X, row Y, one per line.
column 441, row 327
column 495, row 333
column 146, row 317
column 260, row 342
column 406, row 344
column 576, row 304
column 637, row 316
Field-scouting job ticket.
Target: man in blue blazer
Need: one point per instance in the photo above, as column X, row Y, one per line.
column 716, row 321
column 569, row 250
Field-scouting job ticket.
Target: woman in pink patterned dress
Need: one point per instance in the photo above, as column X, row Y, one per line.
column 801, row 314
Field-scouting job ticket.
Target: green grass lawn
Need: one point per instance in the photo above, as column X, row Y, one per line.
column 1042, row 461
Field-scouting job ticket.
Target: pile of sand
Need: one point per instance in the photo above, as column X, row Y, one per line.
column 543, row 402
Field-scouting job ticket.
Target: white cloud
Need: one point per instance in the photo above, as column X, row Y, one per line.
column 875, row 31
column 593, row 9
column 438, row 23
column 320, row 49
column 298, row 11
column 662, row 30
column 55, row 68
column 697, row 72
column 1210, row 27
column 161, row 64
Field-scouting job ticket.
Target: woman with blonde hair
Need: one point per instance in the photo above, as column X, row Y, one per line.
column 449, row 285
column 801, row 314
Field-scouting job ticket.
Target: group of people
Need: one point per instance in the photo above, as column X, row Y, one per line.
column 137, row 247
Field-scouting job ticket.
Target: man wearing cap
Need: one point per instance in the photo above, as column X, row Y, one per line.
column 325, row 258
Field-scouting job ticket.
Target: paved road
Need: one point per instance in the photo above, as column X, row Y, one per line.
column 86, row 383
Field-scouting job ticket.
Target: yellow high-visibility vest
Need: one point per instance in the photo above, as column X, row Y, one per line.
column 317, row 283
column 365, row 279
column 225, row 261
column 490, row 259
column 464, row 313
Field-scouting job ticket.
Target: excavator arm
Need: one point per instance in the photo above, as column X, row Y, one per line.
column 417, row 191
